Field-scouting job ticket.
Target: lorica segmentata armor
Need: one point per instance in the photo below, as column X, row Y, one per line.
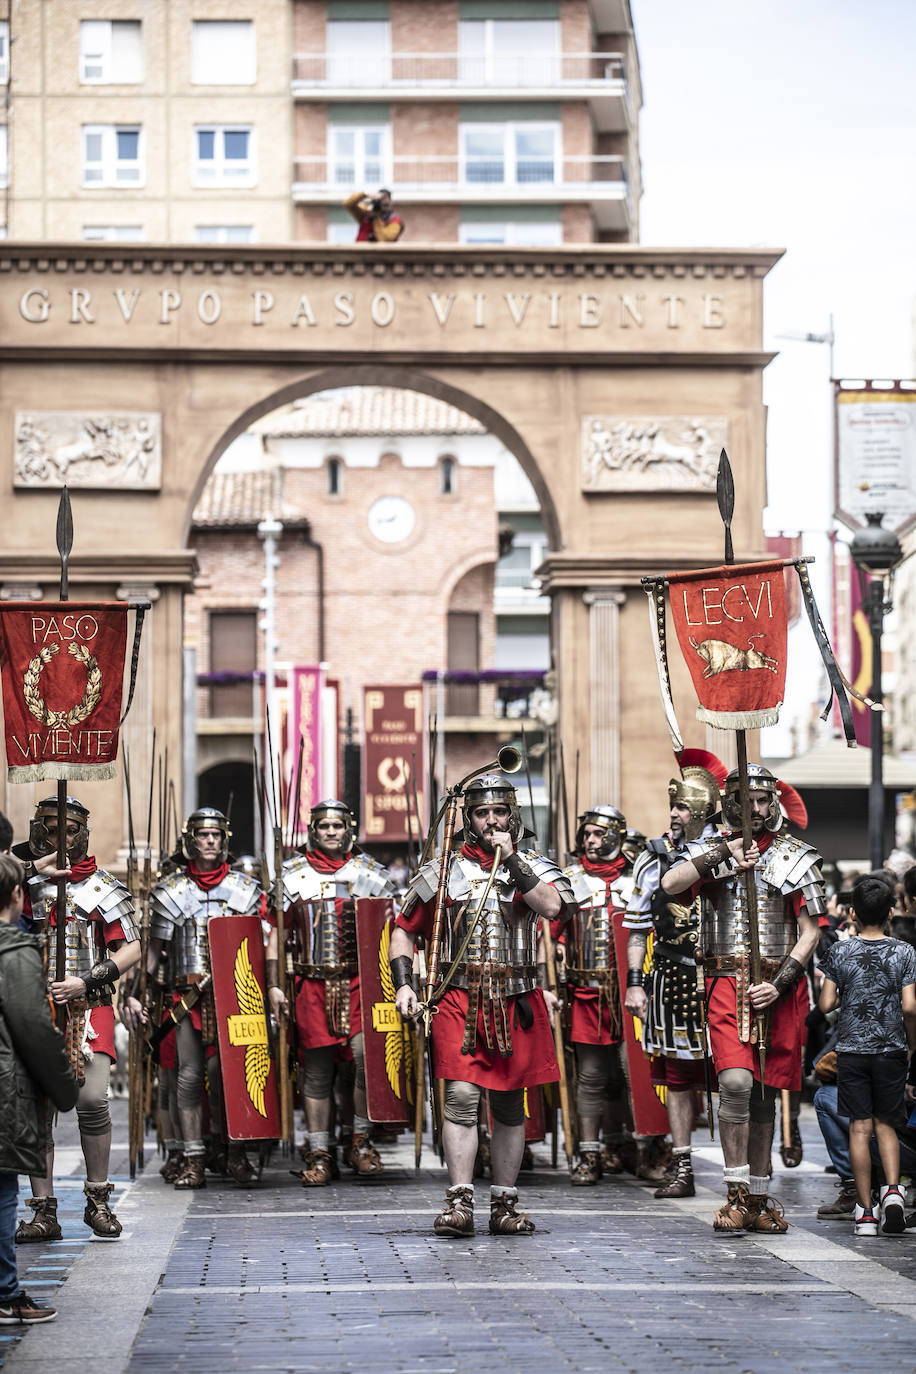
column 180, row 910
column 101, row 893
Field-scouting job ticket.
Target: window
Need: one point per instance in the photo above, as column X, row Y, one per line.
column 334, row 470
column 463, row 630
column 111, row 51
column 358, row 52
column 223, row 233
column 112, row 155
column 233, row 650
column 113, row 233
column 512, row 154
column 223, row 156
column 519, row 233
column 447, row 477
column 4, row 52
column 358, row 155
column 4, row 155
column 509, row 52
column 223, row 52
column 340, row 231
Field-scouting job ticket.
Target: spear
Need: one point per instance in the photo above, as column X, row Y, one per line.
column 64, row 545
column 725, row 495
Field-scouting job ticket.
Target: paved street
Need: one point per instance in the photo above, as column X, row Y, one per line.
column 350, row 1278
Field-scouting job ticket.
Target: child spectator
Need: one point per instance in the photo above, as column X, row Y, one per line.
column 873, row 978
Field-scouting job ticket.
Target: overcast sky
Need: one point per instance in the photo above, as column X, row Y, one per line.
column 792, row 124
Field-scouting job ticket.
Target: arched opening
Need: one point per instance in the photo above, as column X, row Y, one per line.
column 384, row 590
column 229, row 786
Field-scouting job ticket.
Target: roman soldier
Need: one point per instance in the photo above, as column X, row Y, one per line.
column 601, row 886
column 668, row 999
column 320, row 889
column 102, row 943
column 491, row 1028
column 790, row 898
column 181, row 904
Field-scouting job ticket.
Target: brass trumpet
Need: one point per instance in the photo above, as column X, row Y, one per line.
column 508, row 760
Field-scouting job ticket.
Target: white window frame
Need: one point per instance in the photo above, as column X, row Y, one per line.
column 358, row 67
column 224, row 233
column 4, row 155
column 510, row 159
column 368, row 172
column 491, row 66
column 537, row 545
column 113, row 172
column 207, row 172
column 105, row 57
column 515, row 233
column 113, row 233
column 4, row 52
column 198, row 44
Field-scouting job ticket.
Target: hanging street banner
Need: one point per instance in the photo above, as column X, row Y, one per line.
column 303, row 720
column 394, row 738
column 860, row 658
column 62, row 667
column 876, row 454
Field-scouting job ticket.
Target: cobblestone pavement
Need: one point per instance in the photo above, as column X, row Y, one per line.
column 350, row 1277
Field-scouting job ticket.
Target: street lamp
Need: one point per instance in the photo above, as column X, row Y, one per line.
column 876, row 552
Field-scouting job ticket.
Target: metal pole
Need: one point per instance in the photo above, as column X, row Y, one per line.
column 876, row 789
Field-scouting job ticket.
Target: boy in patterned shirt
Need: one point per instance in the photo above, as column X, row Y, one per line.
column 873, row 978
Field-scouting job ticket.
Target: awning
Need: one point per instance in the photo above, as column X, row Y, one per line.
column 832, row 764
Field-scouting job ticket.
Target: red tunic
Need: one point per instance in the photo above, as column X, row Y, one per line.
column 311, row 993
column 533, row 1059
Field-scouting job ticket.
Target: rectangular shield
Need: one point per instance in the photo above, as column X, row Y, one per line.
column 249, row 1073
column 388, row 1042
column 649, row 1114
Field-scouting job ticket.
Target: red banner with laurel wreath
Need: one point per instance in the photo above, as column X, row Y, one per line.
column 62, row 667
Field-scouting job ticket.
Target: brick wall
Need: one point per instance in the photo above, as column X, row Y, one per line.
column 420, row 27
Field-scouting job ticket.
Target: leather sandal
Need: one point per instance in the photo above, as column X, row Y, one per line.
column 43, row 1225
column 320, row 1169
column 240, row 1167
column 588, row 1171
column 765, row 1214
column 732, row 1213
column 457, row 1216
column 194, row 1174
column 363, row 1158
column 173, row 1166
column 505, row 1220
column 98, row 1213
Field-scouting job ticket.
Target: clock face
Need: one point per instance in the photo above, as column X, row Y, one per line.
column 391, row 519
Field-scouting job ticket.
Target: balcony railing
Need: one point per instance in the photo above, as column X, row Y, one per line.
column 472, row 71
column 469, row 176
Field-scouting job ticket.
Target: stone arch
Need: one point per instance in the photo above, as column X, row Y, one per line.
column 408, row 379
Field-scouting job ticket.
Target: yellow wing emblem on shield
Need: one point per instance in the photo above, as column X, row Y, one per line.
column 398, row 1042
column 252, row 1021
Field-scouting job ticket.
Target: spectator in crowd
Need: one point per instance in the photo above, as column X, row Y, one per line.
column 377, row 221
column 6, row 835
column 903, row 923
column 33, row 1069
column 873, row 978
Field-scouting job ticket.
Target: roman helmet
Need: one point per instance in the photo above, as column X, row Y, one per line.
column 702, row 775
column 41, row 842
column 759, row 779
column 608, row 819
column 205, row 818
column 634, row 842
column 491, row 788
column 332, row 810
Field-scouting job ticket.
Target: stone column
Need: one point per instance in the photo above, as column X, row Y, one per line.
column 604, row 605
column 137, row 730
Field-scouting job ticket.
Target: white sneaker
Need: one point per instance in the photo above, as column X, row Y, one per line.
column 893, row 1214
column 866, row 1221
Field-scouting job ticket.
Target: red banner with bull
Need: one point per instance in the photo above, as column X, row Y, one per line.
column 387, row 1040
column 248, row 1072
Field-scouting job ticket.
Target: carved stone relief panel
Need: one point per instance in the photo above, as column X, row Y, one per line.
column 651, row 452
column 88, row 449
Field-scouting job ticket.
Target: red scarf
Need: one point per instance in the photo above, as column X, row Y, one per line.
column 762, row 842
column 478, row 855
column 207, row 880
column 78, row 874
column 608, row 869
column 325, row 863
